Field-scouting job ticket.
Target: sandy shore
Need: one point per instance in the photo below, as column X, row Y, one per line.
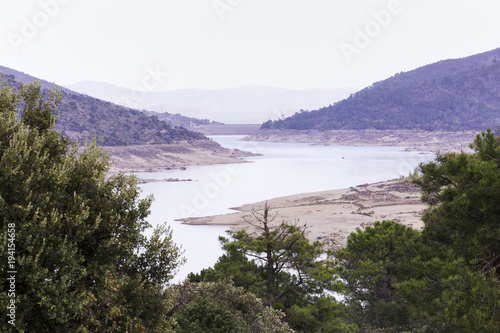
column 413, row 139
column 170, row 156
column 332, row 215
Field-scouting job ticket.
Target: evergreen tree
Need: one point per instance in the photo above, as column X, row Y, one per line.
column 445, row 279
column 455, row 285
column 285, row 270
column 463, row 193
column 374, row 261
column 221, row 307
column 82, row 262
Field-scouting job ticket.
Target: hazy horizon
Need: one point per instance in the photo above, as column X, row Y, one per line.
column 222, row 44
column 221, row 88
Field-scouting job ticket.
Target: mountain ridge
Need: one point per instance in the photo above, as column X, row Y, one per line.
column 449, row 95
column 83, row 117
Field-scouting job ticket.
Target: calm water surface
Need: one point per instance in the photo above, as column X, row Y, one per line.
column 283, row 169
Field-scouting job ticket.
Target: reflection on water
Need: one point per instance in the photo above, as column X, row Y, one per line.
column 284, row 169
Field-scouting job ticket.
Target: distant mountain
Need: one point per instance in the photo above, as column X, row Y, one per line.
column 83, row 117
column 244, row 105
column 450, row 95
column 25, row 78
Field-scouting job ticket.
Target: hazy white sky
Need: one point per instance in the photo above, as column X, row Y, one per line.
column 229, row 43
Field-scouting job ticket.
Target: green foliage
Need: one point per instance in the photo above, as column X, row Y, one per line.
column 81, row 257
column 323, row 314
column 37, row 113
column 397, row 282
column 373, row 262
column 104, row 313
column 448, row 295
column 221, row 307
column 284, row 269
column 287, row 264
column 244, row 272
column 445, row 279
column 462, row 190
column 456, row 280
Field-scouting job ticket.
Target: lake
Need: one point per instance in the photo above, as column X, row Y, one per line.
column 283, row 169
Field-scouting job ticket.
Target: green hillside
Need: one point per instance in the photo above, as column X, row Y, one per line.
column 83, row 117
column 450, row 95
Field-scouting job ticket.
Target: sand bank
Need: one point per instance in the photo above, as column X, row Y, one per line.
column 332, row 215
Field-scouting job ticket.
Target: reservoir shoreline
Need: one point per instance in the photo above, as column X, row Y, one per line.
column 330, row 216
column 152, row 158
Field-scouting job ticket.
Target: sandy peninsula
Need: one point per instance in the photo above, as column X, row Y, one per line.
column 332, row 215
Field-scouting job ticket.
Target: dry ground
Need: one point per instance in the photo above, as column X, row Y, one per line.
column 332, row 215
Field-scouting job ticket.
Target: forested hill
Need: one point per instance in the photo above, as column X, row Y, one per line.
column 450, row 95
column 82, row 117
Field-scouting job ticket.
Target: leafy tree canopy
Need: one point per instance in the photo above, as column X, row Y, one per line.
column 82, row 261
column 221, row 307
